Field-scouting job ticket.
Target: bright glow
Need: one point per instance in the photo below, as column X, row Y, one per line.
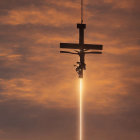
column 81, row 108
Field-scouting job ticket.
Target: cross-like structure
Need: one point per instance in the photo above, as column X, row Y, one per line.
column 81, row 49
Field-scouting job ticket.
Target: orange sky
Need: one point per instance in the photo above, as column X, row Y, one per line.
column 39, row 86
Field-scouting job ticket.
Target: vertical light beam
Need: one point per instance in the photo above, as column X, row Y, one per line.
column 81, row 108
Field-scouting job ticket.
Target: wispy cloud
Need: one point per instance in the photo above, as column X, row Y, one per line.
column 39, row 87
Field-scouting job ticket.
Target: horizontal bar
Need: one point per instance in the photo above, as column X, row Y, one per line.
column 69, row 46
column 93, row 47
column 67, row 52
column 93, row 52
column 77, row 46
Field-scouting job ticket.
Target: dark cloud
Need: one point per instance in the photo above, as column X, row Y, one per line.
column 14, row 4
column 21, row 116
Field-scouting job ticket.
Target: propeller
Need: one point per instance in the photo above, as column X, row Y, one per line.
column 67, row 52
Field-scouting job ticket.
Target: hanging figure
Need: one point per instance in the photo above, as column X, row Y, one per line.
column 81, row 65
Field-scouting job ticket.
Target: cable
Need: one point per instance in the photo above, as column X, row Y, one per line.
column 82, row 9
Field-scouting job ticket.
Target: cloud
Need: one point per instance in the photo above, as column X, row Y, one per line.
column 18, row 116
column 39, row 89
column 36, row 41
column 44, row 13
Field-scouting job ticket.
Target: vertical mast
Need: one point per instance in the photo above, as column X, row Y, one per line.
column 81, row 28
